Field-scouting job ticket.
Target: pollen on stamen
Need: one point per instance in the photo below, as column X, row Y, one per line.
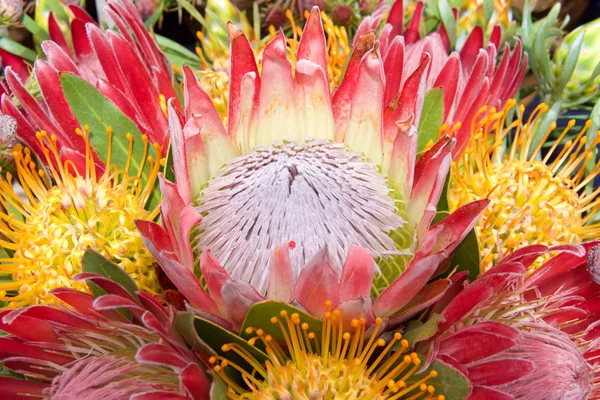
column 66, row 209
column 547, row 202
column 354, row 365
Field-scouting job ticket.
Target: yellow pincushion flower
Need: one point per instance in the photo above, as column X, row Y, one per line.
column 63, row 213
column 339, row 363
column 537, row 193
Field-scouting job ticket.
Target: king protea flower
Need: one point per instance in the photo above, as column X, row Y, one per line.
column 286, row 169
column 127, row 67
column 547, row 181
column 470, row 79
column 525, row 336
column 90, row 350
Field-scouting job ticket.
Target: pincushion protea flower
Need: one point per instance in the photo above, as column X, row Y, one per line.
column 127, row 67
column 519, row 336
column 285, row 171
column 547, row 203
column 91, row 350
column 336, row 362
column 64, row 211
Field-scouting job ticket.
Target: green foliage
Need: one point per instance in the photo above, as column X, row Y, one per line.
column 431, row 118
column 92, row 108
column 92, row 262
column 259, row 316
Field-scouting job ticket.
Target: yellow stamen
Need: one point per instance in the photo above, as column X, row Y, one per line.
column 330, row 373
column 536, row 195
column 64, row 213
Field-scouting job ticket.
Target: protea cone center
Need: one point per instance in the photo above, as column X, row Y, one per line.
column 335, row 364
column 65, row 213
column 315, row 191
column 535, row 197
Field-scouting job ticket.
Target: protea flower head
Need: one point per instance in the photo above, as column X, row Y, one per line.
column 10, row 12
column 469, row 78
column 286, row 170
column 127, row 67
column 8, row 141
column 91, row 350
column 547, row 203
column 516, row 335
column 67, row 208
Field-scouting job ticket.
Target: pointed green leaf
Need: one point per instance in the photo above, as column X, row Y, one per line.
column 417, row 331
column 259, row 316
column 448, row 19
column 488, row 11
column 570, row 62
column 216, row 336
column 449, row 382
column 467, row 256
column 91, row 108
column 17, row 49
column 95, row 263
column 431, row 118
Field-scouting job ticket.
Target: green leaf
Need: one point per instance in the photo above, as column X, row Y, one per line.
column 93, row 262
column 58, row 9
column 218, row 389
column 467, row 256
column 152, row 19
column 177, row 53
column 448, row 20
column 417, row 331
column 17, row 49
column 570, row 62
column 189, row 7
column 92, row 108
column 34, row 28
column 431, row 117
column 488, row 11
column 542, row 57
column 259, row 316
column 448, row 382
column 215, row 336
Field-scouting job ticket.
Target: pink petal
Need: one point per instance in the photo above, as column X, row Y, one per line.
column 396, row 17
column 13, row 389
column 480, row 341
column 403, row 289
column 457, row 225
column 242, row 64
column 485, row 393
column 427, row 296
column 412, row 31
column 29, row 329
column 159, row 354
column 56, row 34
column 365, row 123
column 499, row 372
column 342, row 98
column 463, row 303
column 393, row 66
column 317, row 283
column 194, row 380
column 471, row 48
column 215, row 277
column 280, row 273
column 312, row 45
column 357, row 274
column 238, row 298
column 448, row 80
column 198, row 102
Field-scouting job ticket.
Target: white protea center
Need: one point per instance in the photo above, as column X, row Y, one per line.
column 313, row 192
